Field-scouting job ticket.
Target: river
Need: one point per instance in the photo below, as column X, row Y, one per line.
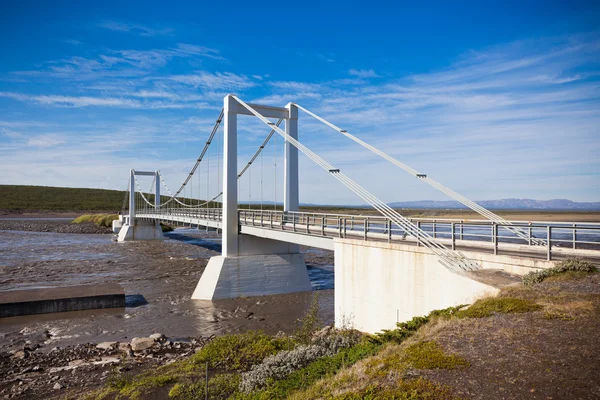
column 158, row 277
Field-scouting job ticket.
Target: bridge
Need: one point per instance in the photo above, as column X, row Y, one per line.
column 388, row 268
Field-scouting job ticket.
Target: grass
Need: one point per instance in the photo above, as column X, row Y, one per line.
column 98, row 219
column 429, row 355
column 238, row 352
column 571, row 268
column 486, row 307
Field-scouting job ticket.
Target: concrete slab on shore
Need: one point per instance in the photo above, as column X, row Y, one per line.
column 70, row 298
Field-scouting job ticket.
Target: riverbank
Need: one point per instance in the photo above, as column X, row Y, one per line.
column 51, row 224
column 533, row 341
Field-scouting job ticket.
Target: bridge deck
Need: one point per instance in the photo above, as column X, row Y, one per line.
column 319, row 230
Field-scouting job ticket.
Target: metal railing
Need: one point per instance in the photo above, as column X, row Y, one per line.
column 562, row 237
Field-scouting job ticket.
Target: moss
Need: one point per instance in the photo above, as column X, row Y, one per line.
column 430, row 355
column 486, row 307
column 414, row 389
column 574, row 267
column 238, row 351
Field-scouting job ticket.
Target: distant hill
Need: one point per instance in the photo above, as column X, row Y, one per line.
column 505, row 204
column 49, row 198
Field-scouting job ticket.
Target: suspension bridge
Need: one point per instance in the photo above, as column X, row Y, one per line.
column 387, row 267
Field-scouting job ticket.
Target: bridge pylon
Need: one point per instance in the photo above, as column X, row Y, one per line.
column 250, row 265
column 140, row 229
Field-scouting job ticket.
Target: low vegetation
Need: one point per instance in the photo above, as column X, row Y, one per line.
column 399, row 363
column 570, row 268
column 98, row 219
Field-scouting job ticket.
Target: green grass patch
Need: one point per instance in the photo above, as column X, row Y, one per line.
column 404, row 330
column 104, row 220
column 430, row 355
column 486, row 307
column 238, row 352
column 220, row 387
column 136, row 388
column 571, row 268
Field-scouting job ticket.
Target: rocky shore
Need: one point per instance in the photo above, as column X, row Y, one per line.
column 34, row 372
column 51, row 225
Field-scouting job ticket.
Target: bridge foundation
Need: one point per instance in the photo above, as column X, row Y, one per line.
column 378, row 284
column 140, row 230
column 263, row 267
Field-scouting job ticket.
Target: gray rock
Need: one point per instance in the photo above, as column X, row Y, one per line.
column 57, row 386
column 105, row 345
column 157, row 336
column 139, row 344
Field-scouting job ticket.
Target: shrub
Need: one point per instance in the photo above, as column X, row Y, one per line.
column 486, row 307
column 238, row 351
column 568, row 265
column 284, row 363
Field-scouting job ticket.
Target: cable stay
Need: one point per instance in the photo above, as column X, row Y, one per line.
column 449, row 192
column 451, row 259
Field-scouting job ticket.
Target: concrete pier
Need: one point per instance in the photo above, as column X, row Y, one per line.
column 51, row 300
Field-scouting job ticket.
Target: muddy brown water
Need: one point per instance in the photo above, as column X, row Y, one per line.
column 158, row 277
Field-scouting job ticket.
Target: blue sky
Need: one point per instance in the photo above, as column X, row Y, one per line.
column 494, row 101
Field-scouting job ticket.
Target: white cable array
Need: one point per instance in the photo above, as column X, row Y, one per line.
column 450, row 259
column 449, row 192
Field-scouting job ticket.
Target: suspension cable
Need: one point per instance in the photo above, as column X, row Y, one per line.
column 448, row 258
column 469, row 203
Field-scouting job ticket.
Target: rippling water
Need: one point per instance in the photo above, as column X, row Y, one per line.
column 158, row 277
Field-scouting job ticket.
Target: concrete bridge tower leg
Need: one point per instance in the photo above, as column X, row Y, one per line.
column 249, row 265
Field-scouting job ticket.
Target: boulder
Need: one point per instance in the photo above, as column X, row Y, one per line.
column 139, row 344
column 157, row 336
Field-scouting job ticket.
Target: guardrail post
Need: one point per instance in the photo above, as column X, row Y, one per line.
column 495, row 227
column 366, row 226
column 307, row 223
column 453, row 237
column 345, row 227
column 271, row 219
column 389, row 224
column 294, row 223
column 352, row 223
column 434, row 230
column 462, row 224
column 574, row 236
column 529, row 235
column 549, row 240
column 323, row 226
column 340, row 227
column 418, row 230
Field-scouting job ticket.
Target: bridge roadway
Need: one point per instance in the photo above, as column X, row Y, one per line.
column 319, row 229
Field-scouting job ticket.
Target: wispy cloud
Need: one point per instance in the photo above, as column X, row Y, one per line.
column 137, row 29
column 363, row 73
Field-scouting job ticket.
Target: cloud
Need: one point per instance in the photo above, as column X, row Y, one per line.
column 214, row 81
column 47, row 140
column 137, row 29
column 363, row 73
column 88, row 101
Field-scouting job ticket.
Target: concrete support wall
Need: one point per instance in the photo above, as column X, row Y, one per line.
column 142, row 230
column 379, row 284
column 263, row 267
